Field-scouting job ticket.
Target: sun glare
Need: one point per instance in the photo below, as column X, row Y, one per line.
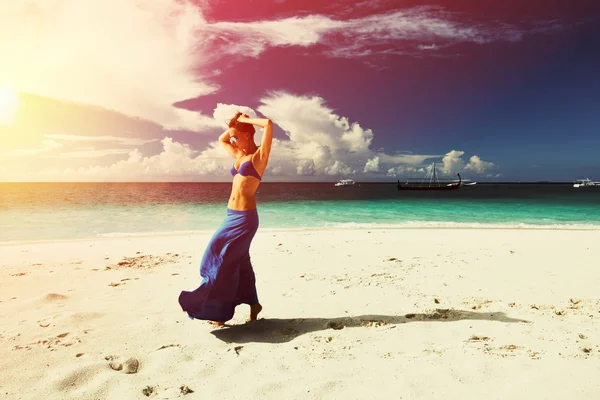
column 9, row 102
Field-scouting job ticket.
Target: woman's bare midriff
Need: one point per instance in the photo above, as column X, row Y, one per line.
column 243, row 191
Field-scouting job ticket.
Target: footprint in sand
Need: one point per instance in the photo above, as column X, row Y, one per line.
column 44, row 323
column 144, row 262
column 54, row 297
column 129, row 366
column 167, row 393
column 149, row 390
column 62, row 340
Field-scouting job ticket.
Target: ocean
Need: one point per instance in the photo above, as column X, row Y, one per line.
column 49, row 211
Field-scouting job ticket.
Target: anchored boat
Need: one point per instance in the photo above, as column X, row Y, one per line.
column 585, row 183
column 345, row 182
column 431, row 182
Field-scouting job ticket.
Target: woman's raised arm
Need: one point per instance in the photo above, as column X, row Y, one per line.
column 265, row 144
column 224, row 140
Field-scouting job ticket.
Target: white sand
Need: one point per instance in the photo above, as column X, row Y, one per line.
column 519, row 318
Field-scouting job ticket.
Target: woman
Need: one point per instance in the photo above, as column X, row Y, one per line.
column 227, row 274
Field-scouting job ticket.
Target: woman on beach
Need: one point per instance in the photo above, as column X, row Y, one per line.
column 227, row 275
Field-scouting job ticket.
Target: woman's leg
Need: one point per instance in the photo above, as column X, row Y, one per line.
column 199, row 303
column 227, row 275
column 246, row 293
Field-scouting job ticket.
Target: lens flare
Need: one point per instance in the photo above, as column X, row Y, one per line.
column 9, row 102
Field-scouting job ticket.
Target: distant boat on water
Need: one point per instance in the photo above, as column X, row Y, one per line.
column 585, row 183
column 345, row 182
column 431, row 182
column 465, row 182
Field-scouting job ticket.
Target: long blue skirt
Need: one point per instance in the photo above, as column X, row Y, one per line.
column 227, row 275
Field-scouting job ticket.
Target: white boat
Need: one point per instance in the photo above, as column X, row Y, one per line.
column 466, row 182
column 585, row 183
column 345, row 182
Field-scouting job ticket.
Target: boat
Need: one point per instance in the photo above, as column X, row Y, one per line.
column 345, row 182
column 585, row 183
column 465, row 182
column 431, row 182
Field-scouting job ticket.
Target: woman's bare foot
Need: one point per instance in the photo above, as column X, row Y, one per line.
column 254, row 310
column 216, row 323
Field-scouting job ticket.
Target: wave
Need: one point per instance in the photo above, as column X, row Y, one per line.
column 275, row 226
column 359, row 225
column 464, row 225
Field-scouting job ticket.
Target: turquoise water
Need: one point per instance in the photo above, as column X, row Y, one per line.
column 64, row 211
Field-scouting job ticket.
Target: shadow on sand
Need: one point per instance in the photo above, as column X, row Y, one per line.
column 284, row 330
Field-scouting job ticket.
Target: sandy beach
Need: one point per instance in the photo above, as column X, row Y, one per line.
column 348, row 314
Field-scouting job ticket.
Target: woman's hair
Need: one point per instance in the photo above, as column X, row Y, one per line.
column 241, row 126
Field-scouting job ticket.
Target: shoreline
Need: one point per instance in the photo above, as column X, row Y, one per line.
column 339, row 229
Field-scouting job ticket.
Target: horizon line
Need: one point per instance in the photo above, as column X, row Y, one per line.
column 294, row 182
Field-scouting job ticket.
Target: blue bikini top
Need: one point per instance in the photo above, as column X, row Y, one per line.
column 246, row 169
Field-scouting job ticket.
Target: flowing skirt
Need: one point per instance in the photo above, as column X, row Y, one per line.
column 227, row 275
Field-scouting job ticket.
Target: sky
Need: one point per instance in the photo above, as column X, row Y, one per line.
column 372, row 90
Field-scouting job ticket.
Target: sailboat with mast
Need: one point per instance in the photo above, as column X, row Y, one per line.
column 431, row 182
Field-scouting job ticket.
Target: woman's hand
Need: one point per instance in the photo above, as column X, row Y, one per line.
column 244, row 118
column 262, row 122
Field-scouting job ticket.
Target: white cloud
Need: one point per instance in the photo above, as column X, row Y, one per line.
column 141, row 57
column 224, row 112
column 306, row 167
column 372, row 165
column 91, row 153
column 453, row 163
column 308, row 122
column 359, row 37
column 47, row 145
column 176, row 161
column 402, row 170
column 407, row 159
column 321, row 145
column 126, row 141
column 338, row 168
column 52, row 142
column 479, row 166
column 252, row 38
column 134, row 57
